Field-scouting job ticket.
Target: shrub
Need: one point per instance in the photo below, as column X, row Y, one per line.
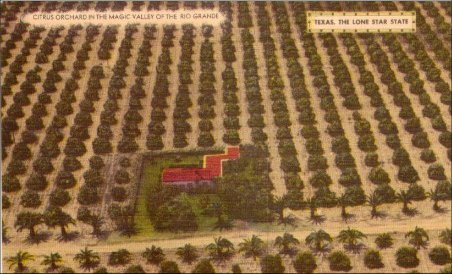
column 96, row 162
column 371, row 159
column 71, row 164
column 136, row 268
column 124, row 162
column 205, row 139
column 339, row 261
column 408, row 174
column 120, row 257
column 30, row 199
column 407, row 257
column 305, row 262
column 88, row 195
column 169, row 267
column 236, row 269
column 372, row 259
column 416, row 192
column 440, row 255
column 65, row 180
column 436, row 172
column 445, row 139
column 5, row 202
column 379, row 176
column 420, row 140
column 349, row 177
column 59, row 197
column 10, row 183
column 119, row 194
column 320, row 179
column 122, row 177
column 204, row 266
column 272, row 264
column 428, row 156
column 384, row 240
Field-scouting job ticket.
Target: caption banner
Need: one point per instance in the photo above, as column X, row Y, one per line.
column 355, row 22
column 195, row 17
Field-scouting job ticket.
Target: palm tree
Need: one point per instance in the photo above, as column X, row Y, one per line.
column 286, row 243
column 96, row 221
column 253, row 247
column 350, row 237
column 446, row 236
column 373, row 200
column 52, row 260
column 434, row 195
column 28, row 220
column 154, row 255
column 312, row 206
column 316, row 240
column 56, row 217
column 223, row 223
column 187, row 253
column 343, row 201
column 5, row 238
column 19, row 259
column 405, row 198
column 220, row 249
column 87, row 259
column 279, row 204
column 418, row 237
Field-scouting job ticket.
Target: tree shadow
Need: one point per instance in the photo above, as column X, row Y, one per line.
column 6, row 239
column 129, row 231
column 221, row 260
column 288, row 220
column 356, row 249
column 317, row 219
column 39, row 238
column 441, row 210
column 379, row 215
column 291, row 252
column 103, row 234
column 322, row 251
column 69, row 237
column 347, row 217
column 411, row 212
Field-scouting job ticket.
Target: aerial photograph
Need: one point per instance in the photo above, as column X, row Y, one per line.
column 226, row 136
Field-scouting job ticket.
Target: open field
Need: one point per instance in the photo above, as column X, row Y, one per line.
column 335, row 131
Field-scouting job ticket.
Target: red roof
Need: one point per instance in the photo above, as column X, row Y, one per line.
column 186, row 174
column 212, row 167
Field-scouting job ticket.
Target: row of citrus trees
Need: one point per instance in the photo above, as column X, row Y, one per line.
column 181, row 127
column 223, row 250
column 229, row 87
column 207, row 90
column 161, row 91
